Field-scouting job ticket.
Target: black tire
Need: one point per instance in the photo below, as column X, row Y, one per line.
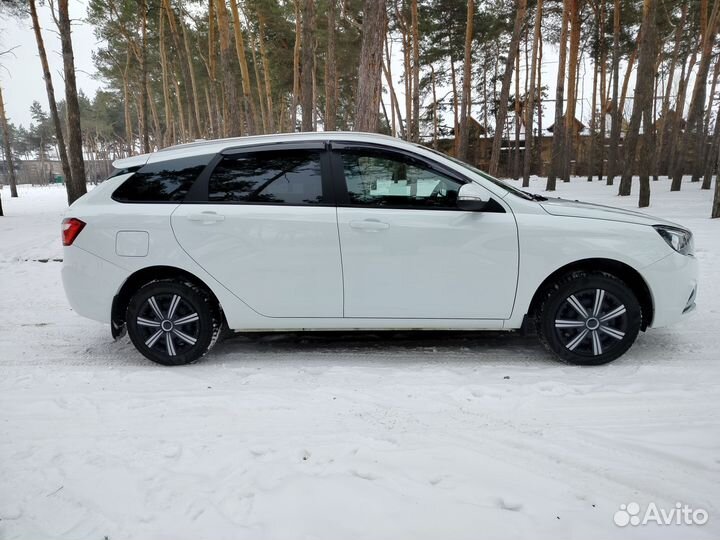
column 172, row 322
column 573, row 326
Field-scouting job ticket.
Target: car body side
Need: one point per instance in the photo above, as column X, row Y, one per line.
column 95, row 274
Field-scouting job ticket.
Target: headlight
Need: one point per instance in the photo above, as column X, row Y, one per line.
column 680, row 240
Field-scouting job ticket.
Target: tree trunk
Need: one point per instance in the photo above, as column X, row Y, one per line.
column 603, row 93
column 183, row 61
column 406, row 40
column 129, row 137
column 505, row 88
column 558, row 147
column 308, row 64
column 77, row 187
column 7, row 148
column 708, row 142
column 660, row 150
column 466, row 104
column 193, row 82
column 676, row 130
column 434, row 108
column 626, row 81
column 266, row 74
column 248, row 104
column 183, row 134
column 331, row 72
column 415, row 134
column 537, row 150
column 233, row 120
column 530, row 101
column 645, row 161
column 50, row 90
column 616, row 125
column 296, row 65
column 711, row 162
column 456, row 114
column 593, row 116
column 213, row 108
column 696, row 113
column 716, row 197
column 254, row 44
column 143, row 97
column 157, row 133
column 570, row 130
column 516, row 111
column 393, row 95
column 168, row 136
column 642, row 106
column 369, row 71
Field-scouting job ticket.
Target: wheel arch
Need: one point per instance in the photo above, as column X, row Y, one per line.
column 620, row 270
column 147, row 275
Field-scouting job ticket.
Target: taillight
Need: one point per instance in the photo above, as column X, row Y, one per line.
column 71, row 227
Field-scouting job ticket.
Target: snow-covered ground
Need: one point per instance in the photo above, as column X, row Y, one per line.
column 345, row 437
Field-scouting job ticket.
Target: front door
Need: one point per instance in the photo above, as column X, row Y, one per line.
column 408, row 252
column 268, row 232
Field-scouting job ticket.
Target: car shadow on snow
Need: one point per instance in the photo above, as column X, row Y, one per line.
column 402, row 346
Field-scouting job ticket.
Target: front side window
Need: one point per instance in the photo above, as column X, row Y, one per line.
column 165, row 181
column 378, row 179
column 278, row 177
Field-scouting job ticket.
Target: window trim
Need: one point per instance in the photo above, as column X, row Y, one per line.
column 338, row 170
column 200, row 192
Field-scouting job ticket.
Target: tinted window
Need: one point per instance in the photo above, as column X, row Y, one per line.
column 162, row 182
column 376, row 179
column 287, row 177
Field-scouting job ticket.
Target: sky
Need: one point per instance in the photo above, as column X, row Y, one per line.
column 21, row 74
column 22, row 82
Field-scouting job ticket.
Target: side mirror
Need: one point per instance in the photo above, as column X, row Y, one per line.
column 471, row 205
column 470, row 198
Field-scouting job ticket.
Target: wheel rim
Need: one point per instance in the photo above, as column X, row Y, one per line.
column 591, row 322
column 169, row 324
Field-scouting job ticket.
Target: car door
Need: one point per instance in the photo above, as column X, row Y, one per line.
column 408, row 251
column 262, row 222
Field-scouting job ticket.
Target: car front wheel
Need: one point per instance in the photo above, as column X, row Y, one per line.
column 589, row 318
column 171, row 322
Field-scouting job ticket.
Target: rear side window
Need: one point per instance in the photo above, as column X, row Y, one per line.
column 287, row 177
column 166, row 181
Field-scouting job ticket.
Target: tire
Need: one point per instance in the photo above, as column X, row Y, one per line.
column 172, row 322
column 589, row 318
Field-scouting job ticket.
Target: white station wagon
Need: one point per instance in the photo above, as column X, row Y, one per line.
column 354, row 231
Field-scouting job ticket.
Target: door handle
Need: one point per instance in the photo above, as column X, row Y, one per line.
column 369, row 225
column 206, row 217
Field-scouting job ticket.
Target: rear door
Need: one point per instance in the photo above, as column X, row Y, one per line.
column 263, row 223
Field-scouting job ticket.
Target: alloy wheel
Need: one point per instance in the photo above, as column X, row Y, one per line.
column 168, row 324
column 591, row 322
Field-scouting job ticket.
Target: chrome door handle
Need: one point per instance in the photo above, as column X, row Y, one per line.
column 369, row 225
column 206, row 217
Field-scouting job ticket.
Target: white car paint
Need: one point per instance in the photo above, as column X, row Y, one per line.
column 320, row 267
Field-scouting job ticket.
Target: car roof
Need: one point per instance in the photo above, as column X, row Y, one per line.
column 214, row 146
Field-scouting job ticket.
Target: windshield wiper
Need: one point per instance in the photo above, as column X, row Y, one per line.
column 535, row 197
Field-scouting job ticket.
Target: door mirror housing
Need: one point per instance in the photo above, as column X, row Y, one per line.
column 470, row 198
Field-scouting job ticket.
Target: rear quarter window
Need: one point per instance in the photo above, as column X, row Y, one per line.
column 165, row 181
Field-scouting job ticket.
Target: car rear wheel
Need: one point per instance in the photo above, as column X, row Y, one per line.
column 589, row 318
column 172, row 323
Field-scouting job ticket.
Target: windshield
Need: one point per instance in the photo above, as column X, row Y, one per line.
column 500, row 183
